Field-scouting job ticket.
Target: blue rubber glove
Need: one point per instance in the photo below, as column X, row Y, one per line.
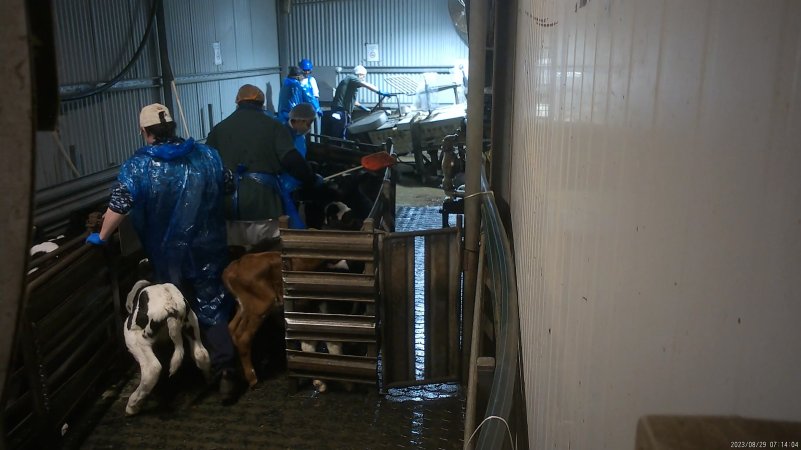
column 318, row 180
column 364, row 108
column 383, row 94
column 94, row 239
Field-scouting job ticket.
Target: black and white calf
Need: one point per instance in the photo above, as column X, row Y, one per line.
column 150, row 308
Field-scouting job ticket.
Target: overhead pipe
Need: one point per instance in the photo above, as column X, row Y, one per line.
column 102, row 87
column 167, row 76
column 477, row 38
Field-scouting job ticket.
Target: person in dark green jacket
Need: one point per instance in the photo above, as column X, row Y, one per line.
column 336, row 121
column 256, row 148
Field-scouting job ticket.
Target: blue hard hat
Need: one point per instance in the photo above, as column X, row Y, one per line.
column 306, row 64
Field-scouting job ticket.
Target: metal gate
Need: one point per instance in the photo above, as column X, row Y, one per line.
column 302, row 285
column 421, row 318
column 69, row 334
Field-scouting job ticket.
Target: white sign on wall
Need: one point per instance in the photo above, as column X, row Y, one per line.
column 217, row 53
column 372, row 52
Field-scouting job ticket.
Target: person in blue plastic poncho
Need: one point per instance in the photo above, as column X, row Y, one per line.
column 171, row 189
column 292, row 93
column 300, row 122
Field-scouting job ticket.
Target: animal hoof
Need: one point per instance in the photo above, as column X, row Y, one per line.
column 252, row 379
column 319, row 386
column 131, row 410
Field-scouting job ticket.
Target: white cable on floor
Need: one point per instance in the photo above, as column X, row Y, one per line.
column 509, row 430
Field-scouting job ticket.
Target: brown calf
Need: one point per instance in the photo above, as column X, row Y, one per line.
column 255, row 281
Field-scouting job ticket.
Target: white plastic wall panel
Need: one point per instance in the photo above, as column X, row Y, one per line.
column 656, row 213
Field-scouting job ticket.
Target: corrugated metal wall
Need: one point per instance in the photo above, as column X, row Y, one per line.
column 412, row 36
column 96, row 39
column 657, row 213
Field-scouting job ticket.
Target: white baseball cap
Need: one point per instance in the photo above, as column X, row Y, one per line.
column 154, row 114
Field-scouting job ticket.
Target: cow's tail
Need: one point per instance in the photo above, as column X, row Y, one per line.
column 134, row 293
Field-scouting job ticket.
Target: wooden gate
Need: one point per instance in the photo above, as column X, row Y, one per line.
column 429, row 318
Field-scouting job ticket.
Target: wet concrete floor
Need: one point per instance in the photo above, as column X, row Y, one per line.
column 271, row 417
column 182, row 413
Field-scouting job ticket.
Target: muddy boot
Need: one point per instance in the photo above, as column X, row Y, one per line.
column 231, row 386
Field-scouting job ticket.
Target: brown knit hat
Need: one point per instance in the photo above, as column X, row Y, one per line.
column 249, row 93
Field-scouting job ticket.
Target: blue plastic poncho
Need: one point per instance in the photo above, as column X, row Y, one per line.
column 308, row 84
column 299, row 140
column 291, row 94
column 177, row 190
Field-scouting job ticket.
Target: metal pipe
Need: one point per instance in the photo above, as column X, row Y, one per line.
column 475, row 132
column 398, row 69
column 226, row 75
column 472, row 380
column 123, row 85
column 69, row 245
column 54, row 193
column 57, row 268
column 500, row 264
column 167, row 77
column 149, row 83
